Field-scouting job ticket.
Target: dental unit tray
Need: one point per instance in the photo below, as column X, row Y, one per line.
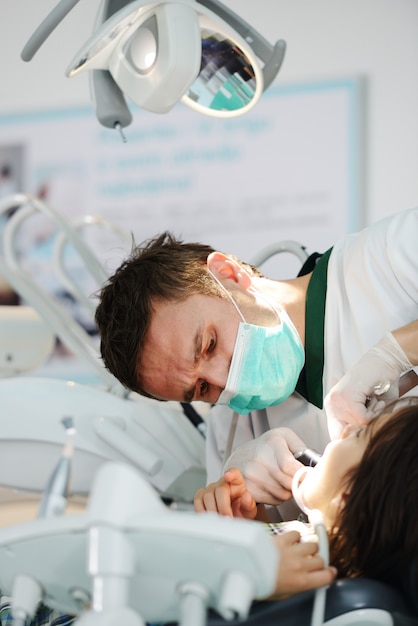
column 129, row 551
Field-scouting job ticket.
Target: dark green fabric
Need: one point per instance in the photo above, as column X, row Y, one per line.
column 310, row 380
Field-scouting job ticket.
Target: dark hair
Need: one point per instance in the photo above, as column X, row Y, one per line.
column 376, row 532
column 161, row 269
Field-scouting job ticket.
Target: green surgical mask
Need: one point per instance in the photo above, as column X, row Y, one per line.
column 265, row 365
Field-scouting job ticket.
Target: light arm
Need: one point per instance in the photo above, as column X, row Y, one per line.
column 46, row 27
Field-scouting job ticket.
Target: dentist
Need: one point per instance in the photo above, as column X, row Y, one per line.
column 184, row 322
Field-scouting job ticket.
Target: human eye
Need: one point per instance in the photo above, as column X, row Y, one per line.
column 211, row 344
column 360, row 431
column 352, row 431
column 203, row 388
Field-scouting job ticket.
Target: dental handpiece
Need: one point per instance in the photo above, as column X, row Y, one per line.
column 307, row 457
column 54, row 497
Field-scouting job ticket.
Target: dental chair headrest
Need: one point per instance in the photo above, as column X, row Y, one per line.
column 343, row 596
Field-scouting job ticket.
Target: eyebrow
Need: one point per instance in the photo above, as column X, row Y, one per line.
column 188, row 395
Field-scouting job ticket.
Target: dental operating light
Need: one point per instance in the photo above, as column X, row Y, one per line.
column 156, row 54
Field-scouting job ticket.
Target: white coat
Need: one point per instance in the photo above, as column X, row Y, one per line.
column 372, row 288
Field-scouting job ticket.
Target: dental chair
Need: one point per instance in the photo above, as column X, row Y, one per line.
column 349, row 602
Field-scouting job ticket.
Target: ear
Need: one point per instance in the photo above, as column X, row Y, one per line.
column 338, row 502
column 223, row 267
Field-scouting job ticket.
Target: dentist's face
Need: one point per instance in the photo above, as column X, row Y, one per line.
column 189, row 344
column 323, row 487
column 188, row 350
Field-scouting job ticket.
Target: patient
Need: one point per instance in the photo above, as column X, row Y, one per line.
column 366, row 487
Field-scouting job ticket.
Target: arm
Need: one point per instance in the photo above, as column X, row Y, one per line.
column 407, row 338
column 355, row 398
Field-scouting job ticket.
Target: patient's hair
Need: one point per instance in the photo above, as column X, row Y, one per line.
column 161, row 269
column 376, row 532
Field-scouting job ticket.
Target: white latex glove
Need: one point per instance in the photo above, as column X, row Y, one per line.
column 371, row 384
column 268, row 465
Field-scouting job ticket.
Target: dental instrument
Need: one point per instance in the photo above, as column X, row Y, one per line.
column 307, row 457
column 54, row 497
column 159, row 53
column 407, row 382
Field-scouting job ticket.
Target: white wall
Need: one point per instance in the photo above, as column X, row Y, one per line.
column 327, row 39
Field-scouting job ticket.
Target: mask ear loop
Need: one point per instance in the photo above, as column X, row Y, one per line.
column 259, row 294
column 234, row 420
column 278, row 311
column 228, row 294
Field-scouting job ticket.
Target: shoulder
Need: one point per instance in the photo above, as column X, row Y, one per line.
column 389, row 244
column 398, row 229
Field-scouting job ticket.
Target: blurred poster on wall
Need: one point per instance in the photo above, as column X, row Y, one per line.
column 290, row 169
